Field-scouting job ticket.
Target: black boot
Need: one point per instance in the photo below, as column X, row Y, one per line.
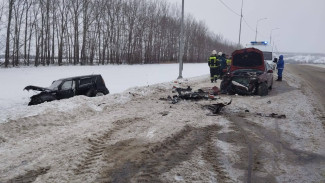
column 211, row 80
column 279, row 79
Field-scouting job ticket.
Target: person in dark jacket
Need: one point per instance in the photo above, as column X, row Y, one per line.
column 214, row 65
column 280, row 67
column 223, row 64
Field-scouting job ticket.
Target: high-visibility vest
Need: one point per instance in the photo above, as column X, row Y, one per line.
column 214, row 62
column 228, row 61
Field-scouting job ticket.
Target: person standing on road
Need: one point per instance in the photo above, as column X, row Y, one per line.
column 223, row 63
column 213, row 63
column 228, row 61
column 280, row 67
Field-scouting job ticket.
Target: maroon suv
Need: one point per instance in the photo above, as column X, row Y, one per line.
column 248, row 74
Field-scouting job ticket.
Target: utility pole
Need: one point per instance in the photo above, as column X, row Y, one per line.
column 271, row 33
column 256, row 26
column 241, row 19
column 181, row 44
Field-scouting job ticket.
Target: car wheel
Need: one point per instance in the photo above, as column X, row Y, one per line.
column 47, row 98
column 99, row 94
column 226, row 89
column 262, row 89
column 222, row 86
column 91, row 93
column 36, row 101
column 271, row 85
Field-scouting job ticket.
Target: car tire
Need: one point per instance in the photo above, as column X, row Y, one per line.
column 271, row 85
column 98, row 94
column 41, row 99
column 226, row 89
column 262, row 89
column 36, row 101
column 91, row 93
column 47, row 98
column 222, row 86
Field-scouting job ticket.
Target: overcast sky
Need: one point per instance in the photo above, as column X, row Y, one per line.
column 301, row 23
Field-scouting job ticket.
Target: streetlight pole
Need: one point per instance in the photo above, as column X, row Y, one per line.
column 256, row 26
column 241, row 19
column 181, row 44
column 271, row 33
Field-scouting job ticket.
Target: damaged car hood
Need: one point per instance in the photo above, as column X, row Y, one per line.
column 36, row 88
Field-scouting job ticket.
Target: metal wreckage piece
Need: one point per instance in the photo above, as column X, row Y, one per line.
column 200, row 94
column 216, row 108
column 188, row 94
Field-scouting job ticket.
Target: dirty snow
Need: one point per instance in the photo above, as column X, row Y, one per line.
column 80, row 139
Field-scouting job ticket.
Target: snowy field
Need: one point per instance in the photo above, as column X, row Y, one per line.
column 13, row 100
column 307, row 58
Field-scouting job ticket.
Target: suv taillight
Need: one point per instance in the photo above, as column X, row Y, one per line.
column 103, row 80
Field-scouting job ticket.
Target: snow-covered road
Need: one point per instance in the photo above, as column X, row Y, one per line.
column 135, row 137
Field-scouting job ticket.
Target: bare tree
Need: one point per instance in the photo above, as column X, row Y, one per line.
column 104, row 32
column 11, row 3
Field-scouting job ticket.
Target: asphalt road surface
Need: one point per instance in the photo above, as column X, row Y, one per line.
column 313, row 77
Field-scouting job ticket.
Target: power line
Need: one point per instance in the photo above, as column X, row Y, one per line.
column 229, row 8
column 252, row 29
column 236, row 14
column 248, row 25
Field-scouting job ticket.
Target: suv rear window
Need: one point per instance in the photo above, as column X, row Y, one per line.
column 248, row 59
column 85, row 81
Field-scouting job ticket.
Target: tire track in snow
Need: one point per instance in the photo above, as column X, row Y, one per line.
column 211, row 155
column 98, row 145
column 29, row 176
column 131, row 161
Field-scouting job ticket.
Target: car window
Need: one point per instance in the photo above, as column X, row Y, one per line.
column 55, row 85
column 67, row 85
column 248, row 59
column 85, row 81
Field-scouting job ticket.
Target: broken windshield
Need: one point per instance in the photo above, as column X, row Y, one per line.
column 248, row 59
column 55, row 85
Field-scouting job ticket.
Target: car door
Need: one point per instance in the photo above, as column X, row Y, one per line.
column 269, row 72
column 84, row 85
column 66, row 90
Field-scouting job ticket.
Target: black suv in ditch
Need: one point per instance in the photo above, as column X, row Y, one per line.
column 90, row 85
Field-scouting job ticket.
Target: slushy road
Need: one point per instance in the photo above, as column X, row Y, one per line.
column 313, row 77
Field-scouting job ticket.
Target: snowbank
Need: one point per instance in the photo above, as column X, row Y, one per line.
column 118, row 78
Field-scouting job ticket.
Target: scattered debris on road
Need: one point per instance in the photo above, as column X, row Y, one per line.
column 164, row 113
column 272, row 115
column 187, row 94
column 216, row 108
column 201, row 94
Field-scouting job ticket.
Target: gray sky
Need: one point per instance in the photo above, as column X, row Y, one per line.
column 301, row 22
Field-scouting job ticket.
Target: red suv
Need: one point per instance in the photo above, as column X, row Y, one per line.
column 248, row 74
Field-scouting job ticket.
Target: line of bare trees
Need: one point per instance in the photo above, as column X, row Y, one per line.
column 86, row 32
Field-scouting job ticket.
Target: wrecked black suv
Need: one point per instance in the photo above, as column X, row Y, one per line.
column 90, row 85
column 249, row 74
